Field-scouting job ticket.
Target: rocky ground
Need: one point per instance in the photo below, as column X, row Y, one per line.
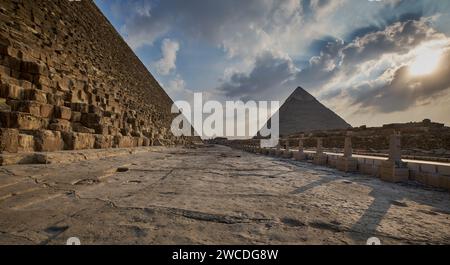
column 212, row 195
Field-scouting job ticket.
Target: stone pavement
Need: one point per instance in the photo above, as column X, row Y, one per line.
column 212, row 195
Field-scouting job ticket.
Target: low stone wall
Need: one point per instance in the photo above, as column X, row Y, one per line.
column 431, row 174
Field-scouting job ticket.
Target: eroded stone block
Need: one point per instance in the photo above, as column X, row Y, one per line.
column 48, row 141
column 78, row 141
column 25, row 143
column 9, row 139
column 64, row 113
column 103, row 141
column 60, row 125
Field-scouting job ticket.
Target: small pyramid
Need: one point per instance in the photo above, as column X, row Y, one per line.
column 302, row 112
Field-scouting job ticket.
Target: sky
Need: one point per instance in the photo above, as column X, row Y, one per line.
column 372, row 62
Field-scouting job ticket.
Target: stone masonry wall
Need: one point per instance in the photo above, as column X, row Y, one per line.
column 68, row 81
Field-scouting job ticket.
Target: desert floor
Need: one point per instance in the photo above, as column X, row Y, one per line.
column 212, row 195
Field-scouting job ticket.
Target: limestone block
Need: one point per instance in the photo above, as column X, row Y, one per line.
column 443, row 170
column 55, row 99
column 89, row 119
column 46, row 111
column 23, row 121
column 9, row 139
column 366, row 168
column 433, row 180
column 139, row 141
column 78, row 127
column 392, row 173
column 103, row 141
column 332, row 161
column 34, row 68
column 347, row 164
column 287, row 154
column 429, row 168
column 320, row 159
column 96, row 110
column 421, row 177
column 78, row 141
column 48, row 141
column 65, row 84
column 26, row 143
column 76, row 116
column 445, row 182
column 60, row 125
column 299, row 156
column 42, row 80
column 35, row 95
column 63, row 113
column 5, row 71
column 11, row 91
column 124, row 141
column 4, row 106
column 31, row 107
column 145, row 141
column 112, row 130
column 101, row 129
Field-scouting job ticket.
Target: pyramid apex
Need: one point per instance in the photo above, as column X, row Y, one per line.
column 301, row 93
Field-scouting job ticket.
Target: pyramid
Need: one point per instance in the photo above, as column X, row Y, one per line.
column 68, row 81
column 301, row 112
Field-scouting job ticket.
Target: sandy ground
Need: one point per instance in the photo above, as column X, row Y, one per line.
column 212, row 195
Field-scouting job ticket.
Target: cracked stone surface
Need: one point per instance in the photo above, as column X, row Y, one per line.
column 212, row 195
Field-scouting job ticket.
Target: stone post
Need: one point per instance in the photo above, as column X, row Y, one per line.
column 395, row 149
column 300, row 145
column 348, row 146
column 278, row 152
column 300, row 155
column 319, row 148
column 287, row 152
column 393, row 169
column 320, row 158
column 347, row 163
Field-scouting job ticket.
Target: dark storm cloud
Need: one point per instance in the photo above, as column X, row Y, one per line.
column 398, row 38
column 269, row 73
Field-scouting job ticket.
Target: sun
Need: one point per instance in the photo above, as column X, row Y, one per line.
column 426, row 61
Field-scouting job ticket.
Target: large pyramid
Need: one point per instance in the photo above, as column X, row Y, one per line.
column 301, row 112
column 69, row 81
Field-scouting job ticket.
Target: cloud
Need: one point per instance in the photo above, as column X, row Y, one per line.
column 266, row 48
column 269, row 73
column 370, row 72
column 405, row 90
column 240, row 28
column 169, row 51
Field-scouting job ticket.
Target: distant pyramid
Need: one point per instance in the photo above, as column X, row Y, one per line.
column 301, row 112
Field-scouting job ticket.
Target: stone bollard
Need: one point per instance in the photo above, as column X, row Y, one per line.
column 287, row 152
column 300, row 155
column 348, row 146
column 278, row 151
column 394, row 169
column 273, row 151
column 320, row 158
column 347, row 163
